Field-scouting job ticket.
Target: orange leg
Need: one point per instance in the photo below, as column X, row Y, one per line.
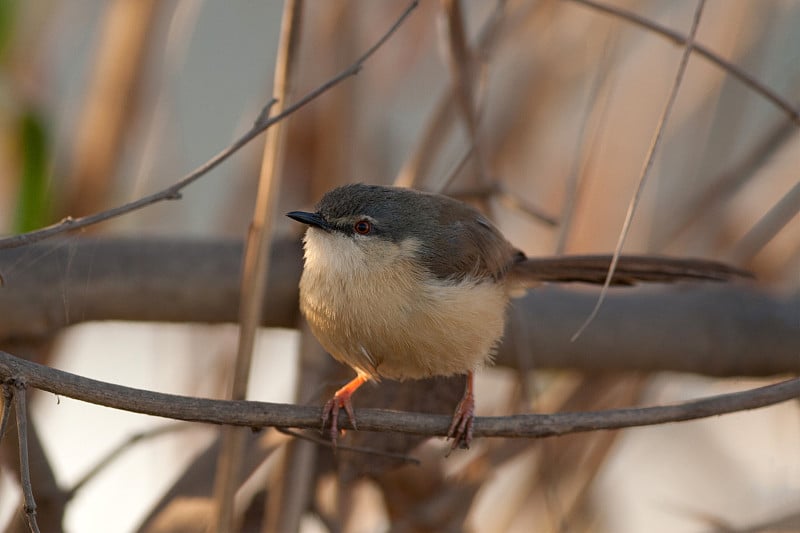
column 461, row 426
column 341, row 400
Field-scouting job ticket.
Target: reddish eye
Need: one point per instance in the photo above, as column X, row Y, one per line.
column 362, row 227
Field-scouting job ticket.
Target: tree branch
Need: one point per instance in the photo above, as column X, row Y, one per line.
column 676, row 37
column 262, row 414
column 173, row 192
column 712, row 329
column 21, row 409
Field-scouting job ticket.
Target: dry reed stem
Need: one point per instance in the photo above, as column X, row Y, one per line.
column 256, row 264
column 648, row 163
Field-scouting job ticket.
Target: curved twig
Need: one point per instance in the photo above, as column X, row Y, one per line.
column 8, row 398
column 21, row 409
column 679, row 39
column 261, row 414
column 120, row 449
column 173, row 192
column 310, row 437
column 648, row 164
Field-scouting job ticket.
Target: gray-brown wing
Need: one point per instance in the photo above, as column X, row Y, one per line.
column 466, row 244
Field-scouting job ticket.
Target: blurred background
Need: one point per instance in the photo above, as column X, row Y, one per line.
column 102, row 102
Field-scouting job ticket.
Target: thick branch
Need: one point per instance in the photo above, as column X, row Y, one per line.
column 261, row 414
column 714, row 329
column 52, row 285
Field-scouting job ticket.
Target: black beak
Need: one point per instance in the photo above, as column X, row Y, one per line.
column 312, row 219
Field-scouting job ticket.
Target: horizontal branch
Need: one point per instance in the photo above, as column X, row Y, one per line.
column 60, row 283
column 262, row 414
column 713, row 329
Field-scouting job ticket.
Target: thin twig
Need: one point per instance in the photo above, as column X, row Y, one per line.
column 121, row 448
column 183, row 22
column 8, row 398
column 173, row 192
column 456, row 170
column 461, row 66
column 262, row 414
column 786, row 521
column 649, row 159
column 24, row 465
column 767, row 227
column 440, row 120
column 514, row 202
column 585, row 148
column 707, row 204
column 313, row 437
column 498, row 189
column 750, row 81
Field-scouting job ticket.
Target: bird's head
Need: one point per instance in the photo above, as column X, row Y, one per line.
column 366, row 225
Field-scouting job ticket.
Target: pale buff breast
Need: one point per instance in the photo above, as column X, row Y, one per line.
column 390, row 321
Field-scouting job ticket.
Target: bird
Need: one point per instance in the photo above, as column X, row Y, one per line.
column 403, row 284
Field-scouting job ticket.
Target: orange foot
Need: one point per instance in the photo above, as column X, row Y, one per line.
column 461, row 426
column 341, row 400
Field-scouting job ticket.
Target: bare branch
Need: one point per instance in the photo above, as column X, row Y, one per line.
column 8, row 398
column 768, row 226
column 441, row 119
column 460, row 62
column 262, row 414
column 173, row 192
column 52, row 285
column 24, row 465
column 708, row 203
column 719, row 330
column 648, row 164
column 679, row 39
column 119, row 450
column 316, row 439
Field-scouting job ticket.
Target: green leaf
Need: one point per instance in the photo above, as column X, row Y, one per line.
column 33, row 204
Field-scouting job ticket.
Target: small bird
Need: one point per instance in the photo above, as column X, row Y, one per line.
column 403, row 284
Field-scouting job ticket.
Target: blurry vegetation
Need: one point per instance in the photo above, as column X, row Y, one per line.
column 34, row 200
column 26, row 128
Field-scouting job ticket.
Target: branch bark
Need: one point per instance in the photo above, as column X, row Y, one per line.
column 713, row 329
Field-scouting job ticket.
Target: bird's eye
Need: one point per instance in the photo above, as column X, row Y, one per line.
column 362, row 227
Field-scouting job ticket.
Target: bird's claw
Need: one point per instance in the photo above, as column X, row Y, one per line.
column 460, row 430
column 330, row 415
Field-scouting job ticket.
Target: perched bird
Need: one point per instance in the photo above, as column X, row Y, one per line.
column 403, row 284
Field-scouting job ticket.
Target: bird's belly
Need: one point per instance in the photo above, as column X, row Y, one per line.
column 407, row 331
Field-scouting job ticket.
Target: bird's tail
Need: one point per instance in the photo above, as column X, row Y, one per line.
column 630, row 270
